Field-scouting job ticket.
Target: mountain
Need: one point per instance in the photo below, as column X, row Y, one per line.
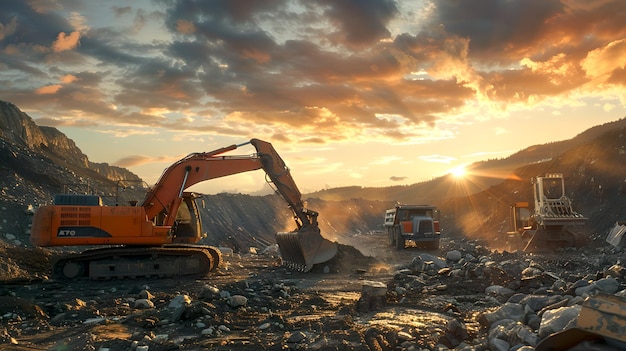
column 38, row 162
column 483, row 174
column 18, row 129
column 594, row 168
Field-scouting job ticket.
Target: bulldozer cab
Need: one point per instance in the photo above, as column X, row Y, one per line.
column 552, row 207
column 552, row 224
column 549, row 187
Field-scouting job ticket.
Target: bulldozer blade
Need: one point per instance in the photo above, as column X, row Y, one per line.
column 549, row 240
column 302, row 249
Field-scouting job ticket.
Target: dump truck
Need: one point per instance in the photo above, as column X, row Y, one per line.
column 159, row 236
column 552, row 223
column 416, row 223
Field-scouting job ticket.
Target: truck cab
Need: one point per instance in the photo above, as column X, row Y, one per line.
column 417, row 223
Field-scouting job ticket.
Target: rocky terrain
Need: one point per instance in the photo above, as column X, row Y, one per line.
column 474, row 293
column 463, row 297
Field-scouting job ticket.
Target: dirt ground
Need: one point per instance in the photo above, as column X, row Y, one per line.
column 282, row 309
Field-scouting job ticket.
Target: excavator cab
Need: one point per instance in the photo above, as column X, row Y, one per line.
column 187, row 228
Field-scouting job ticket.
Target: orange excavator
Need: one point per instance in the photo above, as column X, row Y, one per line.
column 158, row 237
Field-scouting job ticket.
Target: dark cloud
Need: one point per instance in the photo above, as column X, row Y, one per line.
column 32, row 27
column 360, row 22
column 495, row 25
column 119, row 11
column 397, row 178
column 157, row 84
column 618, row 77
column 235, row 11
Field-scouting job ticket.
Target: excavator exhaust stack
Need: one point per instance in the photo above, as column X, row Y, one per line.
column 304, row 248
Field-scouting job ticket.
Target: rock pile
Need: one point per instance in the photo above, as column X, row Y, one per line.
column 519, row 300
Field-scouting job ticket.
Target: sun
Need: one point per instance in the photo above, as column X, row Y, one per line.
column 458, row 172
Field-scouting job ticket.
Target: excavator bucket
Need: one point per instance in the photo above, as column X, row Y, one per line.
column 304, row 248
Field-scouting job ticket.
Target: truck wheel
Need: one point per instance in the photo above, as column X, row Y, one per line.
column 400, row 241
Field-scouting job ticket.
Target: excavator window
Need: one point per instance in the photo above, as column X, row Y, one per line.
column 183, row 215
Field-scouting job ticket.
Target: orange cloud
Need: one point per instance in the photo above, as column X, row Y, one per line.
column 68, row 78
column 606, row 59
column 133, row 160
column 185, row 27
column 66, row 42
column 48, row 89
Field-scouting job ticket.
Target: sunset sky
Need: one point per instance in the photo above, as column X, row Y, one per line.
column 350, row 92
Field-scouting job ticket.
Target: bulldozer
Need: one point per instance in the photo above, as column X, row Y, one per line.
column 159, row 236
column 552, row 223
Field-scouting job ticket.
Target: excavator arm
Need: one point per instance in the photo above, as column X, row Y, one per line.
column 300, row 249
column 278, row 173
column 304, row 247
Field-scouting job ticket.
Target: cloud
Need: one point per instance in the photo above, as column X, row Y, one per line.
column 185, row 27
column 397, row 178
column 66, row 42
column 493, row 26
column 605, row 60
column 437, row 158
column 132, row 161
column 8, row 29
column 137, row 160
column 48, row 89
column 65, row 122
column 501, row 131
column 359, row 22
column 125, row 132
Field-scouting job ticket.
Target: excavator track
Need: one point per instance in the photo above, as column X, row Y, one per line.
column 135, row 262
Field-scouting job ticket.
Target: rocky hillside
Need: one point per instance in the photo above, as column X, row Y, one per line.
column 484, row 174
column 595, row 180
column 38, row 162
